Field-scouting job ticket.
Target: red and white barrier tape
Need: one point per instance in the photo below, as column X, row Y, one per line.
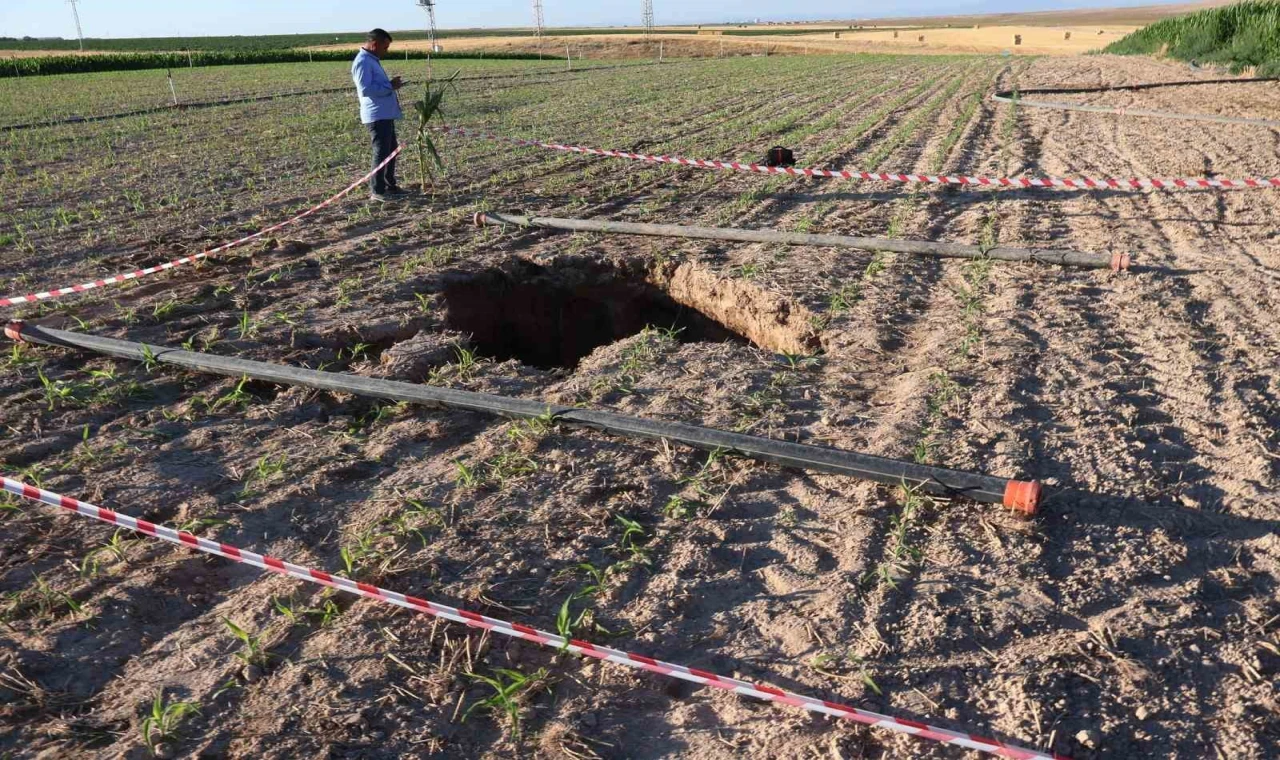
column 515, row 630
column 1076, row 183
column 125, row 277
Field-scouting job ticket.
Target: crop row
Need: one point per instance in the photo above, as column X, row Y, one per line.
column 85, row 64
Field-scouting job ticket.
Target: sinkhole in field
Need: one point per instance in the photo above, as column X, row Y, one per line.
column 554, row 316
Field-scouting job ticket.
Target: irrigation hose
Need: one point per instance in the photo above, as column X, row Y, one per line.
column 1118, row 262
column 1017, row 96
column 1021, row 496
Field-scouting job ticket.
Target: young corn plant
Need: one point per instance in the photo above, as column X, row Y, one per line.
column 430, row 108
column 830, row 664
column 253, row 652
column 510, row 688
column 632, row 542
column 900, row 554
column 161, row 724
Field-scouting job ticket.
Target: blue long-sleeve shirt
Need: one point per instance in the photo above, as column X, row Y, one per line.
column 378, row 100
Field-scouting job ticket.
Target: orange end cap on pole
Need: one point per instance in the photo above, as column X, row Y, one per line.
column 1120, row 262
column 1023, row 496
column 479, row 219
column 13, row 331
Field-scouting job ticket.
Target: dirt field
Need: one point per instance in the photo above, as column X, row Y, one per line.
column 1136, row 617
column 1036, row 40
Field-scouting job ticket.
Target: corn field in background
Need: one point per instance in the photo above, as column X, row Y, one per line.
column 75, row 64
column 1245, row 35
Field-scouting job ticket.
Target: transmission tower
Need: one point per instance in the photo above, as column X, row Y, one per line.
column 648, row 18
column 537, row 21
column 430, row 7
column 76, row 12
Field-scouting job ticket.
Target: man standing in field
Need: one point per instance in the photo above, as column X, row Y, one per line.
column 379, row 109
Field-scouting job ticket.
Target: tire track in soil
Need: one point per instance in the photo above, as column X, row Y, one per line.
column 673, row 178
column 778, row 205
column 1075, row 320
column 248, row 114
column 685, row 122
column 941, row 560
column 705, row 182
column 910, row 154
column 797, row 103
column 679, row 178
column 265, row 519
column 867, row 135
column 1209, row 374
column 857, row 536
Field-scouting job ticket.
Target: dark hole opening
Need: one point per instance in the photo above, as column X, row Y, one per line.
column 550, row 318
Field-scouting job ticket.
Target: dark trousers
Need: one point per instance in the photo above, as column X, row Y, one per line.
column 384, row 144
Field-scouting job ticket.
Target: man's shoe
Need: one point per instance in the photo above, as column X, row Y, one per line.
column 397, row 191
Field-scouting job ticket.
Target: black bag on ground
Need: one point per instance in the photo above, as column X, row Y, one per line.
column 779, row 156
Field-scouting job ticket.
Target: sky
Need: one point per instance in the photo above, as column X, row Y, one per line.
column 165, row 18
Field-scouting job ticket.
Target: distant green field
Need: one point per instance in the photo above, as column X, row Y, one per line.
column 1243, row 35
column 85, row 64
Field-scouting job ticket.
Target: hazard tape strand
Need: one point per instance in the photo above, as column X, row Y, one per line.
column 127, row 276
column 523, row 632
column 1072, row 183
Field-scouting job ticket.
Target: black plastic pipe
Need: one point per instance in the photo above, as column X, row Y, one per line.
column 1021, row 496
column 1018, row 97
column 1118, row 261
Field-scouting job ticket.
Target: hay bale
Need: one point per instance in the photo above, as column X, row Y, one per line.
column 1017, row 39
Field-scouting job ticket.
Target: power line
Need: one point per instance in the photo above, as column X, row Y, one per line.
column 537, row 26
column 430, row 7
column 648, row 18
column 76, row 12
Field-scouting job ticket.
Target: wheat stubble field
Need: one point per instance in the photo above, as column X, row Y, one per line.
column 1135, row 616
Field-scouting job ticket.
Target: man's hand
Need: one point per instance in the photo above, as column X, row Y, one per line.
column 397, row 83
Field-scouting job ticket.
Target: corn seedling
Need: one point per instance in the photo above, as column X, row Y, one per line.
column 465, row 476
column 632, row 542
column 58, row 391
column 900, row 554
column 566, row 623
column 252, row 652
column 49, row 600
column 843, row 298
column 163, row 310
column 246, row 327
column 149, row 361
column 237, row 396
column 265, row 469
column 677, row 508
column 508, row 466
column 827, row 664
column 161, row 724
column 509, row 687
column 19, row 356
